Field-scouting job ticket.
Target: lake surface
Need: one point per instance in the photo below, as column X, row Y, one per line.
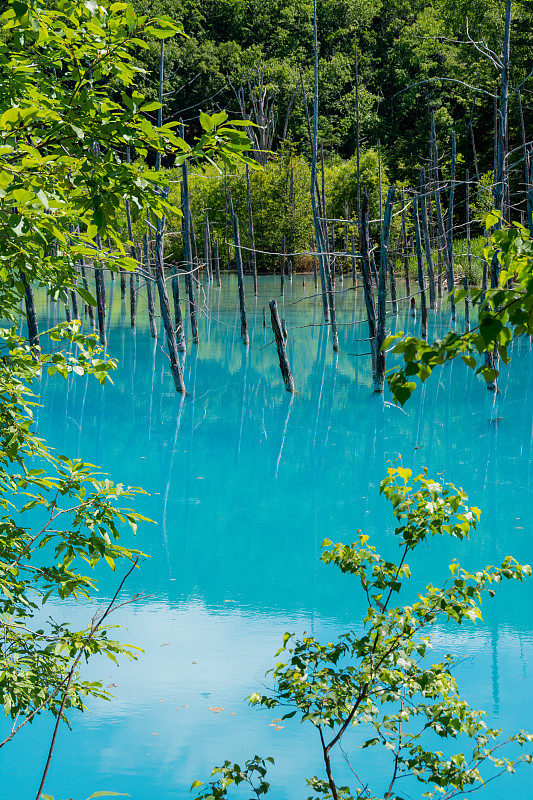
column 244, row 483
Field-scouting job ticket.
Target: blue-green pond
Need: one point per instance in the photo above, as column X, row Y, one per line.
column 244, row 482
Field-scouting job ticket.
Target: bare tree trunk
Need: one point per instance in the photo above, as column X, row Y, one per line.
column 149, row 292
column 427, row 242
column 240, row 279
column 381, row 330
column 31, row 313
column 420, row 263
column 280, row 344
column 251, row 224
column 175, row 366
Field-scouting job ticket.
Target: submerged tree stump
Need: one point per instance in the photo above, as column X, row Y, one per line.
column 280, row 344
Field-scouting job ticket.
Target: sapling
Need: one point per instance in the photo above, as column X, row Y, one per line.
column 380, row 678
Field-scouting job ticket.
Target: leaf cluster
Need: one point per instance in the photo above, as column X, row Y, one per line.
column 379, row 677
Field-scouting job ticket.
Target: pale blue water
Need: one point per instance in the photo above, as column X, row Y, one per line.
column 244, row 484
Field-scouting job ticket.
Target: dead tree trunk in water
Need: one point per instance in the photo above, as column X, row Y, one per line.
column 178, row 318
column 404, row 249
column 100, row 295
column 207, row 250
column 467, row 305
column 149, row 292
column 187, row 251
column 175, row 366
column 354, row 262
column 427, row 242
column 216, row 259
column 367, row 282
column 282, row 266
column 251, row 224
column 280, row 344
column 420, row 263
column 315, row 274
column 31, row 314
column 240, row 279
column 451, row 275
column 381, row 329
column 443, row 245
column 319, row 233
column 133, row 252
column 500, row 170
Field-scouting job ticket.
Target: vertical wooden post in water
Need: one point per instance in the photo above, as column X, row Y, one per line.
column 226, row 217
column 525, row 167
column 178, row 318
column 468, row 228
column 442, row 244
column 324, row 215
column 100, row 295
column 31, row 313
column 74, row 299
column 404, row 249
column 333, row 257
column 450, row 276
column 467, row 304
column 251, row 224
column 367, row 281
column 427, row 242
column 187, row 250
column 420, row 263
column 282, row 265
column 90, row 309
column 381, row 330
column 280, row 344
column 216, row 258
column 133, row 252
column 315, row 274
column 240, row 279
column 357, row 138
column 207, row 250
column 149, row 292
column 500, row 167
column 175, row 366
column 345, row 235
column 529, row 196
column 354, row 262
column 319, row 230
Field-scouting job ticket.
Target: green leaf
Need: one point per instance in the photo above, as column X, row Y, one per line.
column 108, row 794
column 86, row 295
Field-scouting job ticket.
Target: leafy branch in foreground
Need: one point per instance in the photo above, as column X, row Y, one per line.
column 505, row 313
column 379, row 678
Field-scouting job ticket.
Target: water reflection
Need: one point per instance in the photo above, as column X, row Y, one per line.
column 245, row 481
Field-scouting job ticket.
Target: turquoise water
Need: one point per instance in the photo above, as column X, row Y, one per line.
column 244, row 482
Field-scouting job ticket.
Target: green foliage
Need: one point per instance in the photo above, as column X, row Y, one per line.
column 63, row 179
column 275, row 213
column 253, row 774
column 410, row 54
column 505, row 313
column 341, row 183
column 381, row 678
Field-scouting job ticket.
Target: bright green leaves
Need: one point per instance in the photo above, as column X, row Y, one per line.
column 427, row 508
column 62, row 180
column 505, row 313
column 380, row 676
column 221, row 141
column 253, row 774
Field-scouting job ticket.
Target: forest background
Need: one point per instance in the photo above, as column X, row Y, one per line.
column 413, row 57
